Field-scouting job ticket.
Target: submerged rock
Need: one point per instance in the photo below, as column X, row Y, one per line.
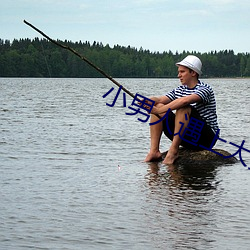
column 203, row 157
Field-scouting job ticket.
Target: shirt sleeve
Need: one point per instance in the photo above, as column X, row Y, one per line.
column 171, row 95
column 205, row 94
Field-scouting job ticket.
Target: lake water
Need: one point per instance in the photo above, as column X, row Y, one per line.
column 72, row 174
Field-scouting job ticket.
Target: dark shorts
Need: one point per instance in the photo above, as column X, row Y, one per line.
column 193, row 136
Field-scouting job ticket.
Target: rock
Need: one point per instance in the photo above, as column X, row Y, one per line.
column 203, row 157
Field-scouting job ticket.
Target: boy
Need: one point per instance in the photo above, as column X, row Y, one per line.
column 193, row 99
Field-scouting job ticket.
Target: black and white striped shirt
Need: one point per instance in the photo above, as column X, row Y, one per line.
column 206, row 108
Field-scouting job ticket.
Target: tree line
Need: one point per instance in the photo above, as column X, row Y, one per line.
column 41, row 58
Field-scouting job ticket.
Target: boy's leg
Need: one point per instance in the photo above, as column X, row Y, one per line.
column 155, row 137
column 180, row 123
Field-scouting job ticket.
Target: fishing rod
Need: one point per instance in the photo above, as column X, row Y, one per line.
column 82, row 57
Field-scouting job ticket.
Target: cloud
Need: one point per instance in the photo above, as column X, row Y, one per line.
column 149, row 2
column 225, row 5
column 83, row 6
column 222, row 2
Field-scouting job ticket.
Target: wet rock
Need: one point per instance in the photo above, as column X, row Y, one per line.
column 203, row 157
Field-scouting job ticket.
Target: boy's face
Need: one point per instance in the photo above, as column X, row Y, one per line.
column 185, row 75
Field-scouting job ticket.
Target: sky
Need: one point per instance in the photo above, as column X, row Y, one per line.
column 155, row 25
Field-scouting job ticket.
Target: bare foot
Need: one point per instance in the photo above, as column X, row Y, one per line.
column 170, row 157
column 153, row 156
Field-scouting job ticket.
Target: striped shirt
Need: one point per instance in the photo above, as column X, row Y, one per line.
column 206, row 108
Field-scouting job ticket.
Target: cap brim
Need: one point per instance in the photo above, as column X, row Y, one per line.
column 187, row 65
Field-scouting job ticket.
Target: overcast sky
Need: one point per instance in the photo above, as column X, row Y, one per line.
column 157, row 25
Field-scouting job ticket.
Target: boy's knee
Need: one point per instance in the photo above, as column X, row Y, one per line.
column 185, row 110
column 158, row 105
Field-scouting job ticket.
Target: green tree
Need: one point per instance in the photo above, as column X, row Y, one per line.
column 247, row 69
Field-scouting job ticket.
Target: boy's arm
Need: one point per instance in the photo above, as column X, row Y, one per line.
column 176, row 104
column 160, row 99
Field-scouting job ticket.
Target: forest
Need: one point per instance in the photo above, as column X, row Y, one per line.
column 41, row 58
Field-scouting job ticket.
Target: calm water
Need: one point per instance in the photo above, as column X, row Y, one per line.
column 72, row 176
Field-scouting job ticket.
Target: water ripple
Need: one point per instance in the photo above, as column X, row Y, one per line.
column 72, row 174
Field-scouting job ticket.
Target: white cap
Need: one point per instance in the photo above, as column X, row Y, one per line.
column 191, row 62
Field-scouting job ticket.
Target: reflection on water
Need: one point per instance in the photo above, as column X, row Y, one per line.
column 185, row 193
column 189, row 203
column 189, row 177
